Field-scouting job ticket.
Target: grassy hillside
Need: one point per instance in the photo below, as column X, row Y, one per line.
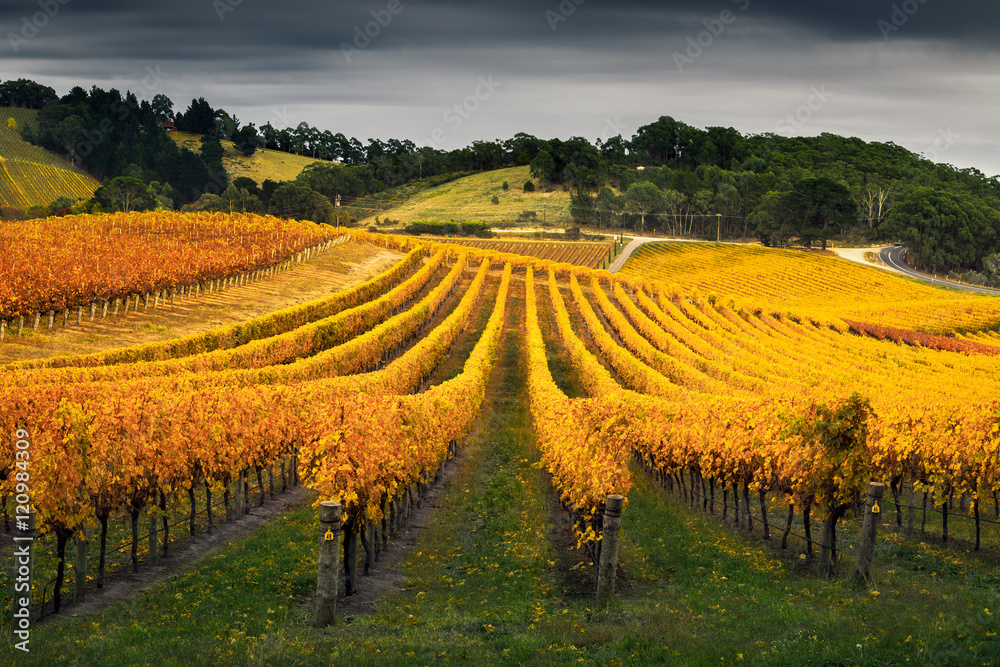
column 469, row 199
column 262, row 165
column 32, row 175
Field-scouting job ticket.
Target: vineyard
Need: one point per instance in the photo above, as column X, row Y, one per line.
column 31, row 175
column 748, row 379
column 811, row 283
column 589, row 255
column 63, row 262
column 23, row 184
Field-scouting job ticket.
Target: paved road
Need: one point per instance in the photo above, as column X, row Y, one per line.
column 635, row 243
column 893, row 257
column 626, row 252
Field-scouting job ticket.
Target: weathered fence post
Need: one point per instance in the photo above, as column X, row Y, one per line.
column 869, row 529
column 80, row 567
column 609, row 549
column 329, row 560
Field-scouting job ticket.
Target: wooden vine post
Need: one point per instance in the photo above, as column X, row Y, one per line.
column 329, row 561
column 869, row 529
column 609, row 549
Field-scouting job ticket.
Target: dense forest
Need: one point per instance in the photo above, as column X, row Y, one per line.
column 669, row 176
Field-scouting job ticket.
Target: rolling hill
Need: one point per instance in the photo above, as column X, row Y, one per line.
column 469, row 199
column 262, row 165
column 31, row 175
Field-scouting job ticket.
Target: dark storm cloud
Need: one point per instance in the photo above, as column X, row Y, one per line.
column 899, row 70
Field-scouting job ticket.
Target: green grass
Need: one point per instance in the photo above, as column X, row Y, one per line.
column 491, row 581
column 469, row 199
column 262, row 165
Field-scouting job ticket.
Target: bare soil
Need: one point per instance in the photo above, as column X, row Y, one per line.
column 386, row 573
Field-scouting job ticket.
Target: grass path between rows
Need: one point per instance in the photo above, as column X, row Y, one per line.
column 491, row 580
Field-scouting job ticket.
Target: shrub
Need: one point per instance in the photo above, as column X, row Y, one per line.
column 505, row 186
column 529, row 186
column 524, row 216
column 974, row 278
column 495, row 200
column 480, row 229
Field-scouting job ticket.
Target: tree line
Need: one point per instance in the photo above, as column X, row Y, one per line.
column 669, row 176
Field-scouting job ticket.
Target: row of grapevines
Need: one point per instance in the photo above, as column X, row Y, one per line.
column 789, row 440
column 583, row 443
column 302, row 341
column 234, row 335
column 130, row 442
column 61, row 262
column 363, row 457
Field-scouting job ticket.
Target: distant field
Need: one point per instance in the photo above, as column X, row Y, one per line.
column 811, row 283
column 469, row 199
column 31, row 175
column 262, row 165
column 581, row 253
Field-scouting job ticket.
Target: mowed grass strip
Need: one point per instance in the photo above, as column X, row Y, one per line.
column 717, row 596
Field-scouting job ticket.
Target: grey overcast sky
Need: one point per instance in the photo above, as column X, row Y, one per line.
column 924, row 74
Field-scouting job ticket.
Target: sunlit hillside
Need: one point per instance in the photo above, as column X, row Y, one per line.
column 262, row 165
column 470, row 199
column 31, row 175
column 806, row 282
